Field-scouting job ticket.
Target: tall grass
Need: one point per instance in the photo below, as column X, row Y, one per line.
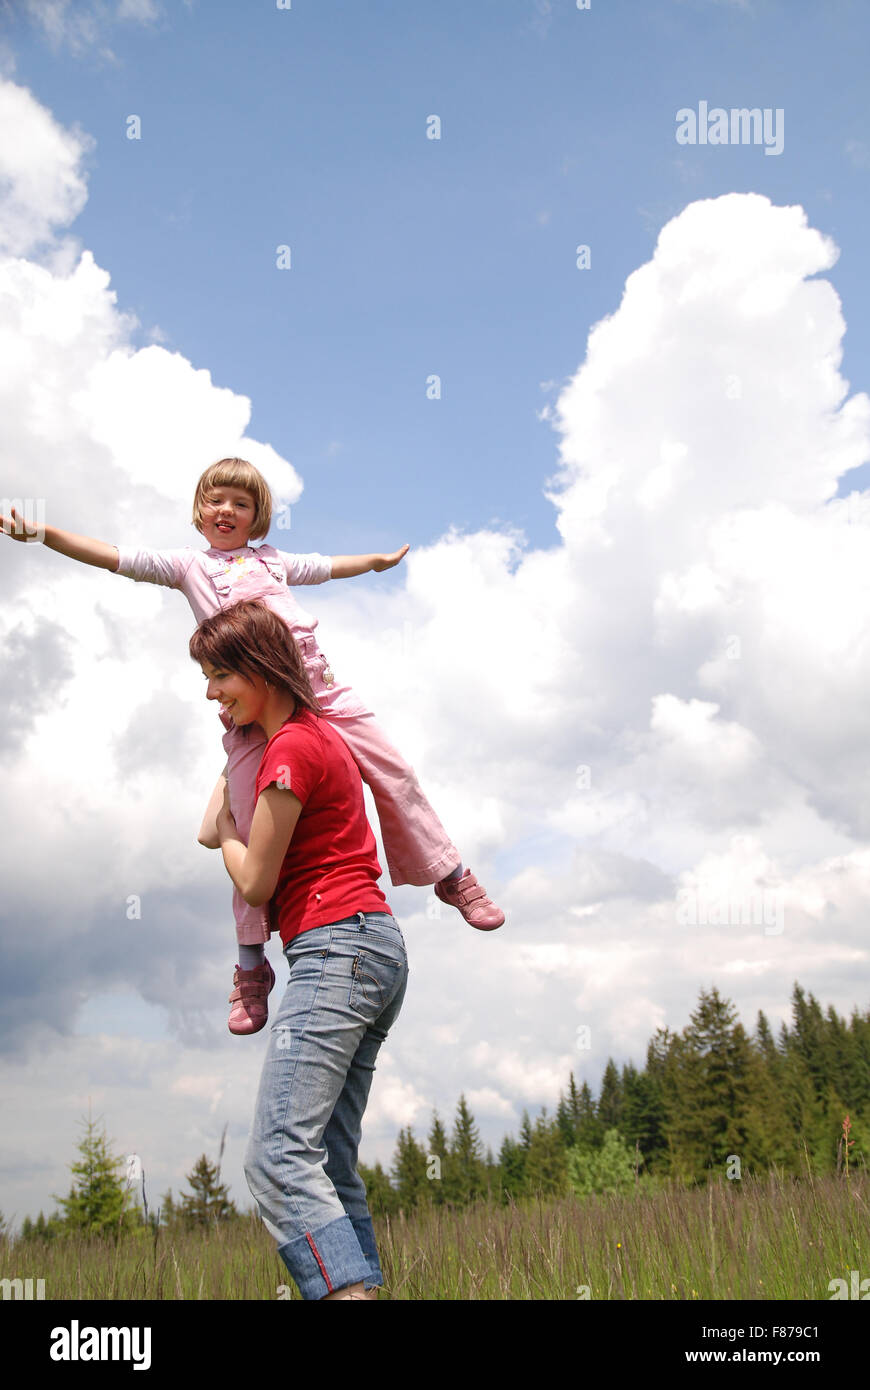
column 758, row 1238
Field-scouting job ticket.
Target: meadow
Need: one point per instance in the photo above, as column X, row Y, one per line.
column 770, row 1238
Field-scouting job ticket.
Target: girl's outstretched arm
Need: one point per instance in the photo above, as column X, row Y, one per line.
column 83, row 548
column 346, row 566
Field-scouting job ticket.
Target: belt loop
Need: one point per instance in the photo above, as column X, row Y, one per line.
column 362, row 920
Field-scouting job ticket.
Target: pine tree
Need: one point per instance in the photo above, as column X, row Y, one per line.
column 843, row 1057
column 381, row 1197
column 466, row 1180
column 568, row 1112
column 99, row 1201
column 491, row 1176
column 808, row 1038
column 771, row 1138
column 564, row 1121
column 409, row 1171
column 546, row 1167
column 765, row 1042
column 209, row 1201
column 644, row 1116
column 438, row 1173
column 859, row 1025
column 610, row 1100
column 709, row 1087
column 168, row 1211
column 511, row 1169
column 525, row 1132
column 588, row 1129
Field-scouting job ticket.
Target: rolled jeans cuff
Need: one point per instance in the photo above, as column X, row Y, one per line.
column 327, row 1259
column 365, row 1234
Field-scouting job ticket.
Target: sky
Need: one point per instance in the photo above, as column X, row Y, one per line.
column 611, row 387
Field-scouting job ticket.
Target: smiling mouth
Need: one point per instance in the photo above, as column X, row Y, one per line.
column 225, row 526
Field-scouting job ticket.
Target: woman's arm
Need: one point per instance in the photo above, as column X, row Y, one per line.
column 346, row 566
column 83, row 548
column 255, row 870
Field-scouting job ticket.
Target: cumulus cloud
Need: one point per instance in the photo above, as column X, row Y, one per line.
column 661, row 708
column 42, row 185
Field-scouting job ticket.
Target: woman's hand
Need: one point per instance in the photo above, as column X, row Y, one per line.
column 226, row 821
column 386, row 562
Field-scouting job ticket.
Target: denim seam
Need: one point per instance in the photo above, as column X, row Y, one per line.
column 309, row 1237
column 294, row 1201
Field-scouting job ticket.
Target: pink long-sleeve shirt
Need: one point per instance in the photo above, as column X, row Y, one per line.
column 212, row 580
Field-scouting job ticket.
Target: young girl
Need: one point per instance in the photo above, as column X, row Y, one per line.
column 233, row 506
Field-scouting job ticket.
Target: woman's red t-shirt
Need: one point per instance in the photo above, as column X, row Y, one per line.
column 330, row 870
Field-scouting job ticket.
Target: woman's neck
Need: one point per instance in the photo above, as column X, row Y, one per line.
column 278, row 709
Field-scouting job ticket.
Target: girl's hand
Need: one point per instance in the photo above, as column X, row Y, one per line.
column 386, row 562
column 16, row 528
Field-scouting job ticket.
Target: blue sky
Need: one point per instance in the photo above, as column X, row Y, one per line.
column 412, row 256
column 705, row 434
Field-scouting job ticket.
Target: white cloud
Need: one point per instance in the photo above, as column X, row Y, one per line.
column 42, row 186
column 81, row 26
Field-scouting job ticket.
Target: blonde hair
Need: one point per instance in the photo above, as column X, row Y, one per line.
column 236, row 473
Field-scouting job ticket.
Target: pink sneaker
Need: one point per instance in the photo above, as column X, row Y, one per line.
column 250, row 998
column 470, row 899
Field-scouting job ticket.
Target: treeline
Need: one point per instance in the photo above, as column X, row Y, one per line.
column 101, row 1203
column 711, row 1100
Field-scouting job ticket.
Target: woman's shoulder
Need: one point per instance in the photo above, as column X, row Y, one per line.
column 306, row 747
column 303, row 728
column 312, row 735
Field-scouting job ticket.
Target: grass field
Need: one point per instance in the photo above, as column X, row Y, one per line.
column 772, row 1238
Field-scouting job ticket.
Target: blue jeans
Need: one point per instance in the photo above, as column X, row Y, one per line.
column 347, row 982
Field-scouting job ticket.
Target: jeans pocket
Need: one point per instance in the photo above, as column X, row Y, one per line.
column 374, row 979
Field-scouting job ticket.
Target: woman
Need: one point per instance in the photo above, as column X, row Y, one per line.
column 311, row 853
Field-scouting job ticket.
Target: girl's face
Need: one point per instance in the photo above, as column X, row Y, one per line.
column 228, row 515
column 243, row 700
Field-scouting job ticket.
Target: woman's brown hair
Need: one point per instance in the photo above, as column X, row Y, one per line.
column 249, row 638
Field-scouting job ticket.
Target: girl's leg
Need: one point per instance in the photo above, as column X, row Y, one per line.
column 244, row 751
column 416, row 846
column 253, row 977
column 346, row 980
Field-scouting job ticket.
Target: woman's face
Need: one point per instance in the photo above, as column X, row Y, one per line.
column 243, row 699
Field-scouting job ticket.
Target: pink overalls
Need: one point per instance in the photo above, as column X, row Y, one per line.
column 416, row 846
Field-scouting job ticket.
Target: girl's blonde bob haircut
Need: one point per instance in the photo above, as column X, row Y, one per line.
column 236, row 473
